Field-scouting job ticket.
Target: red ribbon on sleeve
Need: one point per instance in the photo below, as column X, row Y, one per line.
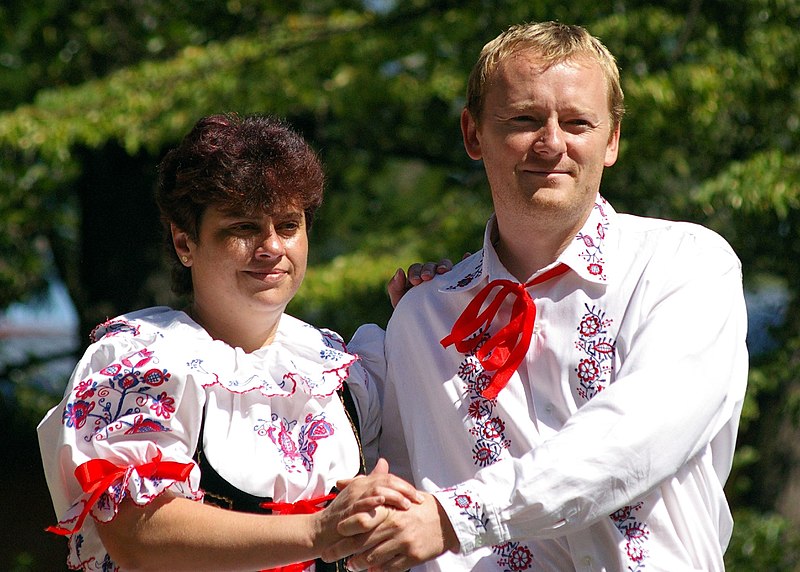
column 504, row 350
column 97, row 475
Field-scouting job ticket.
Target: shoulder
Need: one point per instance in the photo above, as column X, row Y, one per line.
column 147, row 323
column 675, row 248
column 663, row 234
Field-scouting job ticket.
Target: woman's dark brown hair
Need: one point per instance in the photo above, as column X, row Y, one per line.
column 243, row 165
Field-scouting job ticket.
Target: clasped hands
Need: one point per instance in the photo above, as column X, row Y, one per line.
column 381, row 523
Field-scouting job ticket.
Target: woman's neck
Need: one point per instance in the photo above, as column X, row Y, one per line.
column 249, row 332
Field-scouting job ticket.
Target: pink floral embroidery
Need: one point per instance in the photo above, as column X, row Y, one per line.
column 463, row 501
column 467, row 280
column 636, row 535
column 594, row 367
column 297, row 452
column 113, row 328
column 488, row 429
column 593, row 253
column 513, row 556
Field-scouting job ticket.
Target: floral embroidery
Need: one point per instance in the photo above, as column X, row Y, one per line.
column 299, row 452
column 467, row 280
column 113, row 328
column 125, row 389
column 636, row 534
column 594, row 368
column 462, row 499
column 488, row 429
column 513, row 556
column 593, row 254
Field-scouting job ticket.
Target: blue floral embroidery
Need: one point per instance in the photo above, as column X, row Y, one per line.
column 513, row 556
column 121, row 390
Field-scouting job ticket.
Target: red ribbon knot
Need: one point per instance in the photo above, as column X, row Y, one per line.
column 504, row 350
column 305, row 506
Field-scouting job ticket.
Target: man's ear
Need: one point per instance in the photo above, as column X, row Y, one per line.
column 612, row 149
column 469, row 131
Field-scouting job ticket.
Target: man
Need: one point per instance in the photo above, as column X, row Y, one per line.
column 570, row 394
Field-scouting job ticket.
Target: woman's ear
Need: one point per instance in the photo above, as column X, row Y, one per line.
column 183, row 244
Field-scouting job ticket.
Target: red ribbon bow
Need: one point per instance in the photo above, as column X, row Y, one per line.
column 97, row 475
column 504, row 350
column 305, row 506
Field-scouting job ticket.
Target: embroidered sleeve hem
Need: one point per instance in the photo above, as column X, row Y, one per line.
column 472, row 522
column 105, row 485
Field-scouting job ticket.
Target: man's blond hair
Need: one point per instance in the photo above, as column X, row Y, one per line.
column 553, row 43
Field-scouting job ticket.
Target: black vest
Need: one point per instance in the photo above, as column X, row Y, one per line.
column 220, row 492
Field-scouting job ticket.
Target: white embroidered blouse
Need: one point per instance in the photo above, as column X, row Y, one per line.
column 609, row 447
column 273, row 424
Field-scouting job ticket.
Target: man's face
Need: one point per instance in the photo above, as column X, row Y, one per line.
column 545, row 136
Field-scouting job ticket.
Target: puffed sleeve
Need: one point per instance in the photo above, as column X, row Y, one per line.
column 367, row 344
column 126, row 427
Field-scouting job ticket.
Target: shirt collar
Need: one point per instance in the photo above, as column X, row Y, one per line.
column 586, row 255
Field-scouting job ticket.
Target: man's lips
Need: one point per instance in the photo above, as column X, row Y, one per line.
column 544, row 172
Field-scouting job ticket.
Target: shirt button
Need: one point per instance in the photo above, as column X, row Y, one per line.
column 587, row 560
column 549, row 407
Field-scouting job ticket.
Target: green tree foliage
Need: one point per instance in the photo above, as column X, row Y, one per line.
column 95, row 92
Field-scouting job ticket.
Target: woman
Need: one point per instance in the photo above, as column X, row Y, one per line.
column 229, row 399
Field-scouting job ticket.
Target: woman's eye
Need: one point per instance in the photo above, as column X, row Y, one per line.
column 244, row 228
column 289, row 226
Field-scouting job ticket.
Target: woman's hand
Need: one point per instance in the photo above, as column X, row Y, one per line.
column 417, row 273
column 363, row 503
column 402, row 539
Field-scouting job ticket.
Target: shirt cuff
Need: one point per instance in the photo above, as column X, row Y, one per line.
column 473, row 520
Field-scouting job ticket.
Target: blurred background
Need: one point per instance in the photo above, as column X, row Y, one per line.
column 93, row 92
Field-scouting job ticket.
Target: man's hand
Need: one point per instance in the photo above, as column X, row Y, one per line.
column 363, row 503
column 402, row 540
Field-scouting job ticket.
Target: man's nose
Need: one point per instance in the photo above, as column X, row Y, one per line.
column 550, row 139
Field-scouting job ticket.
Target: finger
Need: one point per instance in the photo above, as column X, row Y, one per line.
column 466, row 255
column 444, row 266
column 381, row 467
column 352, row 545
column 414, row 274
column 428, row 271
column 362, row 521
column 397, row 287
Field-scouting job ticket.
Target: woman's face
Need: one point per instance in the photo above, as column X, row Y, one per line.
column 245, row 266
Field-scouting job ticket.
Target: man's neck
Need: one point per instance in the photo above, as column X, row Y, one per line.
column 526, row 246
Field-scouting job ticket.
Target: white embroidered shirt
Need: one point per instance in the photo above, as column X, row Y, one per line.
column 609, row 447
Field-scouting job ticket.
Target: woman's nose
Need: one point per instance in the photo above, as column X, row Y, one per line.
column 270, row 246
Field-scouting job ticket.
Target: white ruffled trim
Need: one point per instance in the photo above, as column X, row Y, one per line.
column 301, row 358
